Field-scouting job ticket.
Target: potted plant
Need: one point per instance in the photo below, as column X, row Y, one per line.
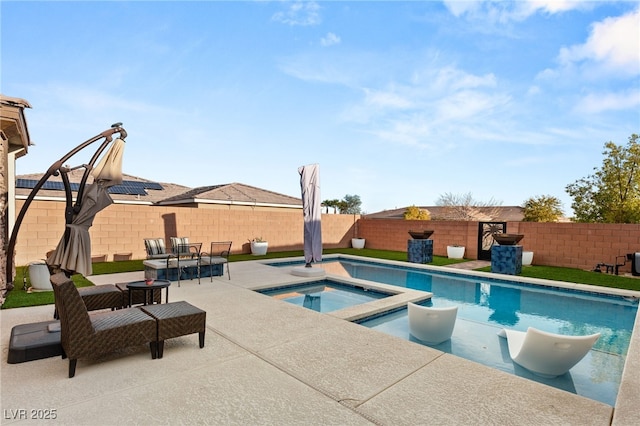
column 357, row 243
column 455, row 252
column 258, row 246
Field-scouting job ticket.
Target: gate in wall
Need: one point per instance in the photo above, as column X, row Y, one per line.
column 485, row 237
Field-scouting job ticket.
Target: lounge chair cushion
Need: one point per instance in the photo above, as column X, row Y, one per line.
column 180, row 245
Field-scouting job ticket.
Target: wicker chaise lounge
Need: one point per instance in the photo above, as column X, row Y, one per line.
column 86, row 336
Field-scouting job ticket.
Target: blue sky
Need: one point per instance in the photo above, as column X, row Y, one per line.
column 399, row 102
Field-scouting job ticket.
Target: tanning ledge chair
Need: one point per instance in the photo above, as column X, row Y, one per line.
column 218, row 255
column 431, row 325
column 86, row 336
column 547, row 354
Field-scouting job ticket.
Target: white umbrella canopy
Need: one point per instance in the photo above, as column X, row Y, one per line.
column 73, row 253
column 312, row 212
column 109, row 169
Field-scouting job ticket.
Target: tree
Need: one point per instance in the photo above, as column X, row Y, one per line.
column 612, row 193
column 543, row 208
column 416, row 213
column 331, row 203
column 464, row 207
column 350, row 204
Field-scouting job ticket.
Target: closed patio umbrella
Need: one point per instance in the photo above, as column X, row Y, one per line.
column 73, row 253
column 312, row 212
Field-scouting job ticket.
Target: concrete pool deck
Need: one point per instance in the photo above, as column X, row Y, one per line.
column 266, row 361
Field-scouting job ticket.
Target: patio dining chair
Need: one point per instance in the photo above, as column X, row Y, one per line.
column 88, row 336
column 218, row 255
column 185, row 255
column 155, row 248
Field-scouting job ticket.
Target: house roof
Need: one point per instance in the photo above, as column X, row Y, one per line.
column 148, row 196
column 233, row 193
column 497, row 213
column 163, row 193
column 13, row 124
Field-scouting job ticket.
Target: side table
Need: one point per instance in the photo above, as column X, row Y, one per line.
column 148, row 290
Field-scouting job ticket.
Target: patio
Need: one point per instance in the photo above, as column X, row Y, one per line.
column 269, row 362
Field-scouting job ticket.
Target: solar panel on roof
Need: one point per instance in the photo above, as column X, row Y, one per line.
column 153, row 185
column 25, row 183
column 118, row 189
column 145, row 185
column 128, row 187
column 50, row 185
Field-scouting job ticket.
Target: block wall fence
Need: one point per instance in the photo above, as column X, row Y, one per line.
column 121, row 228
column 573, row 245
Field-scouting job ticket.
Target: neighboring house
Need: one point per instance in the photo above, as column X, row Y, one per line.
column 232, row 194
column 481, row 214
column 135, row 190
column 15, row 141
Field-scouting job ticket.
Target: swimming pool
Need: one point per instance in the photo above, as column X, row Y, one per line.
column 324, row 295
column 487, row 305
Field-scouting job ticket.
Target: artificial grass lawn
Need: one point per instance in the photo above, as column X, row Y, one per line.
column 18, row 297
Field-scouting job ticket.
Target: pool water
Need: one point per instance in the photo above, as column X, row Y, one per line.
column 324, row 296
column 596, row 377
column 485, row 306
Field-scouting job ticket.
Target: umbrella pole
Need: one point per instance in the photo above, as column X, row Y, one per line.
column 55, row 170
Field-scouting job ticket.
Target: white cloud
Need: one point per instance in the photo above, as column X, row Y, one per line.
column 555, row 6
column 308, row 68
column 497, row 11
column 302, row 13
column 600, row 102
column 386, row 99
column 434, row 104
column 330, row 39
column 452, row 78
column 614, row 45
column 412, row 131
column 459, row 8
column 533, row 90
column 468, row 105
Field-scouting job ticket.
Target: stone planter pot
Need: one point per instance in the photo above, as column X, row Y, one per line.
column 259, row 248
column 39, row 277
column 527, row 258
column 455, row 252
column 357, row 243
